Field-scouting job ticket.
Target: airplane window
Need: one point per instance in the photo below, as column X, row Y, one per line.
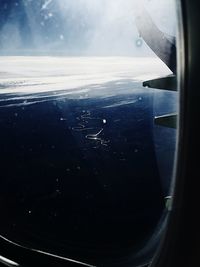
column 88, row 119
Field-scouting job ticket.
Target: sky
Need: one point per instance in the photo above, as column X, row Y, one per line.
column 79, row 27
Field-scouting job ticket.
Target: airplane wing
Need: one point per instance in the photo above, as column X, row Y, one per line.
column 165, row 83
column 164, row 47
column 169, row 121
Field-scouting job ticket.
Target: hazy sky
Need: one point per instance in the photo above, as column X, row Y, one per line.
column 78, row 27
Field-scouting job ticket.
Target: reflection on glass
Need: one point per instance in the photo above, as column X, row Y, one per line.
column 86, row 152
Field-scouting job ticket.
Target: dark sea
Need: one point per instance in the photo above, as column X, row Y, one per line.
column 85, row 170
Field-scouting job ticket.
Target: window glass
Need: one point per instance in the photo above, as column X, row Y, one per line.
column 88, row 119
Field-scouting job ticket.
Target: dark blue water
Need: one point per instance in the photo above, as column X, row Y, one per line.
column 82, row 175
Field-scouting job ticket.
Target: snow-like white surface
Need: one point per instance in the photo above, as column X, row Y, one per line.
column 30, row 75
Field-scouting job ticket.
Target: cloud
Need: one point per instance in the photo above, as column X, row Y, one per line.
column 81, row 27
